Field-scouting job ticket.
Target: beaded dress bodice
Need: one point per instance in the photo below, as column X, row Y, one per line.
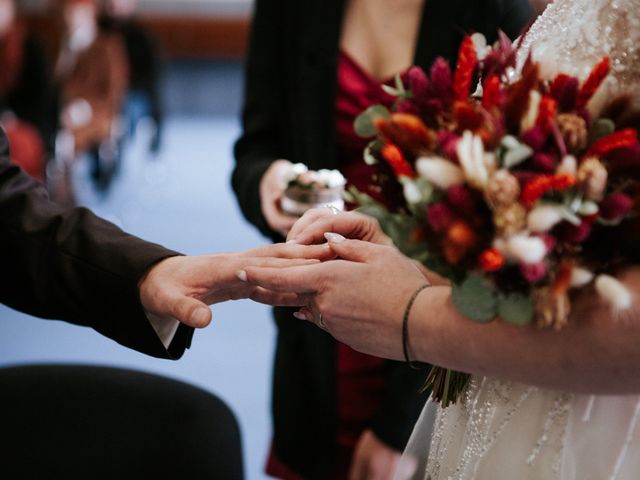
column 503, row 430
column 573, row 35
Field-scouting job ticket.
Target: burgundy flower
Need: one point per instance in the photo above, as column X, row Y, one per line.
column 535, row 137
column 533, row 272
column 564, row 90
column 625, row 159
column 448, row 142
column 615, row 206
column 549, row 241
column 407, row 106
column 569, row 233
column 439, row 217
column 461, row 198
column 441, row 80
column 418, row 82
column 544, row 162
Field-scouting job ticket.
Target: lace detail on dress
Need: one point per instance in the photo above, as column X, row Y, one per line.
column 572, row 35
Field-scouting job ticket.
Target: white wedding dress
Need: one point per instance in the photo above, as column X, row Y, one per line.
column 507, row 431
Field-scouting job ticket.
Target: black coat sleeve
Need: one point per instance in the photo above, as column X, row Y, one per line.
column 260, row 143
column 70, row 265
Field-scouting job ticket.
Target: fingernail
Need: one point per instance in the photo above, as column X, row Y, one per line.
column 200, row 316
column 300, row 315
column 292, row 242
column 242, row 275
column 334, row 237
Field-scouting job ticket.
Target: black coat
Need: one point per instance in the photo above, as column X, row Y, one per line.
column 70, row 265
column 289, row 113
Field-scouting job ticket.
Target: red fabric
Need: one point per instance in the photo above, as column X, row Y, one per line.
column 27, row 150
column 360, row 377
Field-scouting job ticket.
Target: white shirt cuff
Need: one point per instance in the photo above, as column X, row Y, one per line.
column 164, row 326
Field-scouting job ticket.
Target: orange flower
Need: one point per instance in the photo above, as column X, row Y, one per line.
column 536, row 188
column 466, row 66
column 623, row 138
column 460, row 234
column 492, row 95
column 394, row 157
column 546, row 112
column 491, row 260
column 407, row 131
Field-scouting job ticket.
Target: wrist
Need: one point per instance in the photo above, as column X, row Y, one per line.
column 407, row 349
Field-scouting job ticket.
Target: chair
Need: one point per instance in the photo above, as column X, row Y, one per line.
column 93, row 422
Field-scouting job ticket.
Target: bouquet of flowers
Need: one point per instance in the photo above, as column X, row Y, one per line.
column 506, row 184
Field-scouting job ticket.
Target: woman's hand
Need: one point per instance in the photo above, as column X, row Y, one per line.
column 372, row 459
column 271, row 191
column 182, row 287
column 316, row 222
column 360, row 298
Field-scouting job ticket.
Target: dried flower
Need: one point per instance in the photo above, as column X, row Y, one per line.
column 592, row 179
column 544, row 162
column 418, row 82
column 552, row 309
column 593, row 81
column 574, row 131
column 614, row 292
column 533, row 272
column 462, row 199
column 620, row 139
column 570, row 233
column 491, row 260
column 475, row 162
column 526, row 249
column 503, row 189
column 568, row 166
column 440, row 172
column 510, row 219
column 565, row 90
column 465, row 67
column 395, row 158
column 461, row 234
column 615, row 207
column 528, row 121
column 535, row 137
column 580, row 277
column 541, row 184
column 543, row 218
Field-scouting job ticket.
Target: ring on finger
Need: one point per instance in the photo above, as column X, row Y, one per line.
column 321, row 323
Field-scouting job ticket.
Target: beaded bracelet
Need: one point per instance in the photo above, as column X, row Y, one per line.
column 405, row 328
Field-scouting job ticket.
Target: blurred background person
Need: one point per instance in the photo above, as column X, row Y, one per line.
column 91, row 74
column 145, row 66
column 26, row 107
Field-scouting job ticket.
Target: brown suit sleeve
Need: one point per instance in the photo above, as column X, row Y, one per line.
column 70, row 265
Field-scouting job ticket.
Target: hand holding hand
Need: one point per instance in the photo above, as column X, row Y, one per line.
column 373, row 460
column 271, row 191
column 361, row 297
column 182, row 287
column 312, row 226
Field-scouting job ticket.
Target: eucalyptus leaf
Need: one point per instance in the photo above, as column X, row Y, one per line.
column 516, row 155
column 364, row 123
column 476, row 299
column 601, row 128
column 516, row 309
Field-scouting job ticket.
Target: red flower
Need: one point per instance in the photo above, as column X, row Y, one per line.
column 491, row 260
column 406, row 131
column 418, row 82
column 541, row 184
column 615, row 206
column 441, row 83
column 461, row 198
column 535, row 137
column 544, row 162
column 593, row 82
column 546, row 113
column 394, row 157
column 465, row 68
column 620, row 139
column 448, row 142
column 492, row 95
column 460, row 234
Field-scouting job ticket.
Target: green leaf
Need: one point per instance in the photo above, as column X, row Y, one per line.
column 601, row 128
column 516, row 309
column 476, row 299
column 363, row 124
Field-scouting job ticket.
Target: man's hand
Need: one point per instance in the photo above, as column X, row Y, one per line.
column 372, row 459
column 183, row 287
column 271, row 191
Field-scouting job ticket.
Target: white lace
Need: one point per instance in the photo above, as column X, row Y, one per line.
column 503, row 430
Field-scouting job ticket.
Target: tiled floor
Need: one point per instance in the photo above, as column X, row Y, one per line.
column 183, row 200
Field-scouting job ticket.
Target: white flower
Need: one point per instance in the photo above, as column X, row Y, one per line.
column 580, row 277
column 568, row 166
column 529, row 119
column 544, row 218
column 440, row 172
column 526, row 249
column 474, row 160
column 480, row 44
column 411, row 191
column 614, row 292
